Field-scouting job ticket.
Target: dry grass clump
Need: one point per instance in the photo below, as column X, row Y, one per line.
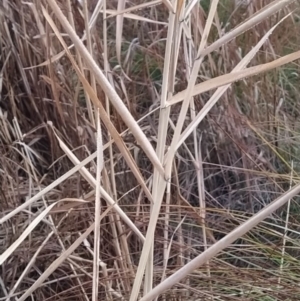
column 146, row 148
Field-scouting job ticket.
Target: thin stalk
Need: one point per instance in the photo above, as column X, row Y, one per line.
column 285, row 229
column 159, row 183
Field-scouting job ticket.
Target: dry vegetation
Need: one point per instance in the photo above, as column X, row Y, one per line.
column 146, row 148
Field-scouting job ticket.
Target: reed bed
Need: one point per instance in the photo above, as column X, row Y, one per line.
column 149, row 150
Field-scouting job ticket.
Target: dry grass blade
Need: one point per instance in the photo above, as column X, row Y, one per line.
column 221, row 244
column 56, row 263
column 55, row 183
column 169, row 247
column 160, row 184
column 105, row 118
column 95, row 14
column 285, row 229
column 132, row 8
column 189, row 7
column 191, row 84
column 260, row 16
column 97, row 212
column 52, row 60
column 25, row 233
column 107, row 88
column 119, row 28
column 92, row 181
column 27, row 269
column 90, row 49
column 220, row 91
column 235, row 76
column 133, row 17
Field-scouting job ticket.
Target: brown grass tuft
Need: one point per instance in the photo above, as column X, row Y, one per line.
column 178, row 192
